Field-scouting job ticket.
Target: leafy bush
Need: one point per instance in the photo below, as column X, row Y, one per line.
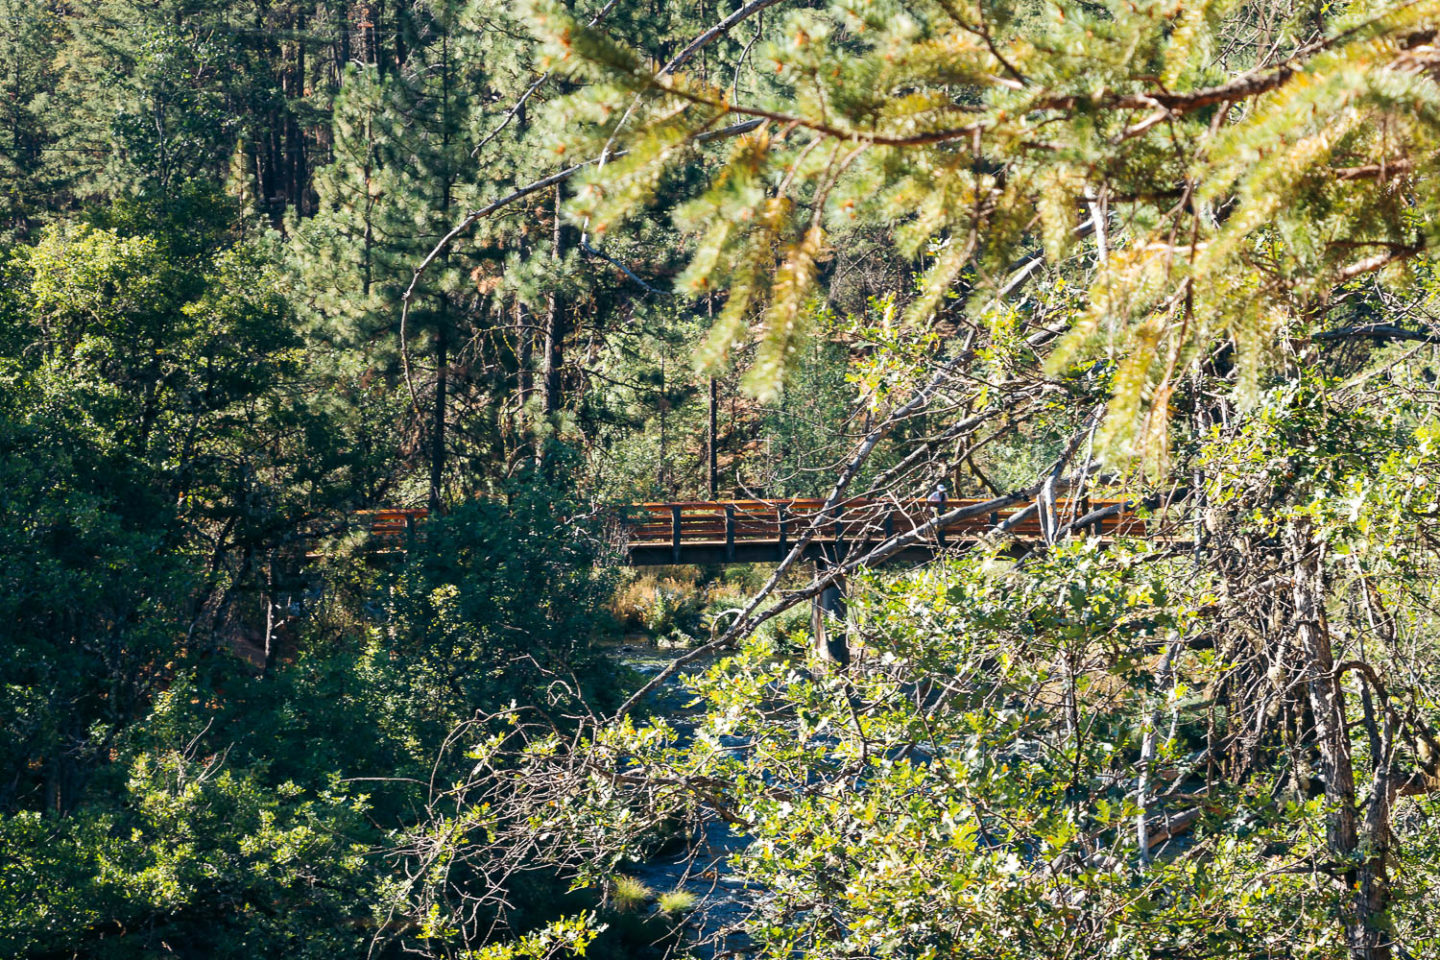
column 197, row 853
column 500, row 600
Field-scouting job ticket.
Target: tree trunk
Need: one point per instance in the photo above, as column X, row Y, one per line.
column 369, row 255
column 524, row 349
column 269, row 598
column 712, row 484
column 664, row 405
column 294, row 136
column 1373, row 894
column 1164, row 678
column 442, row 319
column 1364, row 917
column 402, row 26
column 437, row 428
column 554, row 324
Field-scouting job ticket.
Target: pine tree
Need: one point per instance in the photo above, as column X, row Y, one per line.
column 978, row 146
column 401, row 162
column 29, row 40
column 417, row 143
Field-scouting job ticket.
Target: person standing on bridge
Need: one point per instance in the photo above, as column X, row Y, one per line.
column 937, row 497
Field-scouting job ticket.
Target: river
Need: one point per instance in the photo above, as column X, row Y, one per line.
column 699, row 866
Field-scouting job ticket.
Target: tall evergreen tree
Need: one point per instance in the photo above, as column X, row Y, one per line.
column 30, row 37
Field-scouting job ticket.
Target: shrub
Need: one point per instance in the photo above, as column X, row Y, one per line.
column 659, row 605
column 628, row 894
column 674, row 902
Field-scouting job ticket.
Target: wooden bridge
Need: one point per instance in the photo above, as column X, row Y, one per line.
column 764, row 531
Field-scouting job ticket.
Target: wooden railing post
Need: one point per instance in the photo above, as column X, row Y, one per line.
column 729, row 531
column 675, row 532
column 780, row 522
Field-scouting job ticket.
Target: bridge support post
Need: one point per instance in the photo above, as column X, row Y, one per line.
column 729, row 532
column 827, row 618
column 675, row 533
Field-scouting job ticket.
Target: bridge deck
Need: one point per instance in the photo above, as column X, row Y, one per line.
column 760, row 531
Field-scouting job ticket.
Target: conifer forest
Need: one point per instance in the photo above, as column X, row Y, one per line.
column 720, row 479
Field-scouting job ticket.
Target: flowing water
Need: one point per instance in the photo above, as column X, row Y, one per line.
column 698, row 866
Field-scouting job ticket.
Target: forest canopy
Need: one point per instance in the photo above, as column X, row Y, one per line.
column 941, row 478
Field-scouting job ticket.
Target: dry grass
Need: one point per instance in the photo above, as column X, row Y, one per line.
column 658, row 601
column 633, row 601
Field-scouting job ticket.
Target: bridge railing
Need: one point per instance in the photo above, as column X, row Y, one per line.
column 738, row 522
column 779, row 521
column 394, row 528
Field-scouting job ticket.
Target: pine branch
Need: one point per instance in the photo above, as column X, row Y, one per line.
column 1375, row 170
column 1379, row 332
column 474, row 216
column 1379, row 262
column 824, row 129
column 585, row 245
column 720, row 29
column 1163, row 104
column 530, row 90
